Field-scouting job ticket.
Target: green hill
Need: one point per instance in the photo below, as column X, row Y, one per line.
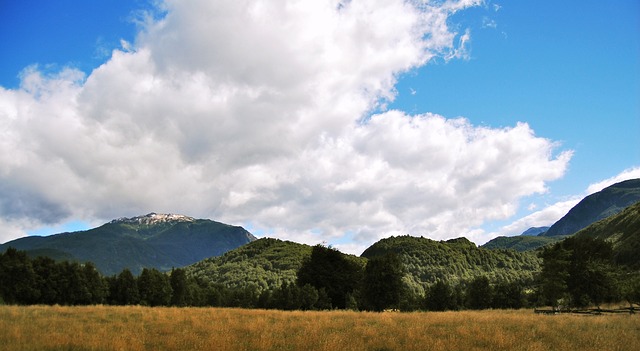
column 428, row 261
column 623, row 231
column 265, row 263
column 597, row 206
column 152, row 241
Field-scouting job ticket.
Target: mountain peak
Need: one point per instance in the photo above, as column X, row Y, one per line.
column 154, row 218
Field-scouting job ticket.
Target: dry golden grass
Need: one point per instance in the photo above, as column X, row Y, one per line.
column 142, row 328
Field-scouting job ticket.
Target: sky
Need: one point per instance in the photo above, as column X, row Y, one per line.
column 336, row 122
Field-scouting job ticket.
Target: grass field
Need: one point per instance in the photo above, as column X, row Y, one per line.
column 142, row 328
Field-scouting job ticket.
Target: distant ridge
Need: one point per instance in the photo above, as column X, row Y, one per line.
column 622, row 230
column 597, row 206
column 521, row 243
column 533, row 231
column 154, row 240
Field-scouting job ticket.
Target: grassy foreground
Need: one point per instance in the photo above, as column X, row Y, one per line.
column 142, row 328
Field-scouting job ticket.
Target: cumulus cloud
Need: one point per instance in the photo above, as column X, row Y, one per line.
column 264, row 113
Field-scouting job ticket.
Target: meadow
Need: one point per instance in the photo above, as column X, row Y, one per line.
column 163, row 328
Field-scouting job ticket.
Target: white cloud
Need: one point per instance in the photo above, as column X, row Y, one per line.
column 260, row 112
column 544, row 217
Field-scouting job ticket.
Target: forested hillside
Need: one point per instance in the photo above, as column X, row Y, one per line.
column 623, row 232
column 597, row 206
column 158, row 241
column 521, row 243
column 428, row 261
column 265, row 263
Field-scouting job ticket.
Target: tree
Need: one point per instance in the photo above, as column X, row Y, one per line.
column 48, row 280
column 581, row 268
column 440, row 297
column 126, row 289
column 479, row 293
column 179, row 286
column 630, row 286
column 95, row 284
column 17, row 278
column 554, row 274
column 382, row 285
column 73, row 284
column 508, row 295
column 591, row 271
column 154, row 288
column 308, row 297
column 331, row 270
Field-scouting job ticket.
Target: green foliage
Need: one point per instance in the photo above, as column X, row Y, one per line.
column 329, row 269
column 266, row 263
column 179, row 287
column 154, row 287
column 454, row 261
column 479, row 293
column 17, row 278
column 554, row 274
column 623, row 232
column 383, row 286
column 630, row 287
column 115, row 246
column 509, row 295
column 124, row 289
column 42, row 280
column 580, row 268
column 521, row 243
column 440, row 297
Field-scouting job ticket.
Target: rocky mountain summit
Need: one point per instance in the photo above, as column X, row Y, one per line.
column 154, row 218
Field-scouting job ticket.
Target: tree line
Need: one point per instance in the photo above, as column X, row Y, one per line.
column 575, row 272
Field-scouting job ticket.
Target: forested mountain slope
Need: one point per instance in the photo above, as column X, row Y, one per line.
column 265, row 263
column 521, row 243
column 158, row 241
column 597, row 206
column 428, row 261
column 623, row 231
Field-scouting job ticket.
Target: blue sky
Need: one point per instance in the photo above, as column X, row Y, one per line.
column 570, row 70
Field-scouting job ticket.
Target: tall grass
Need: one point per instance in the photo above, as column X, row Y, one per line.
column 142, row 328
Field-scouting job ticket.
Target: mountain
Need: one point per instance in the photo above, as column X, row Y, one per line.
column 521, row 243
column 161, row 241
column 534, row 231
column 623, row 231
column 597, row 206
column 265, row 263
column 428, row 261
